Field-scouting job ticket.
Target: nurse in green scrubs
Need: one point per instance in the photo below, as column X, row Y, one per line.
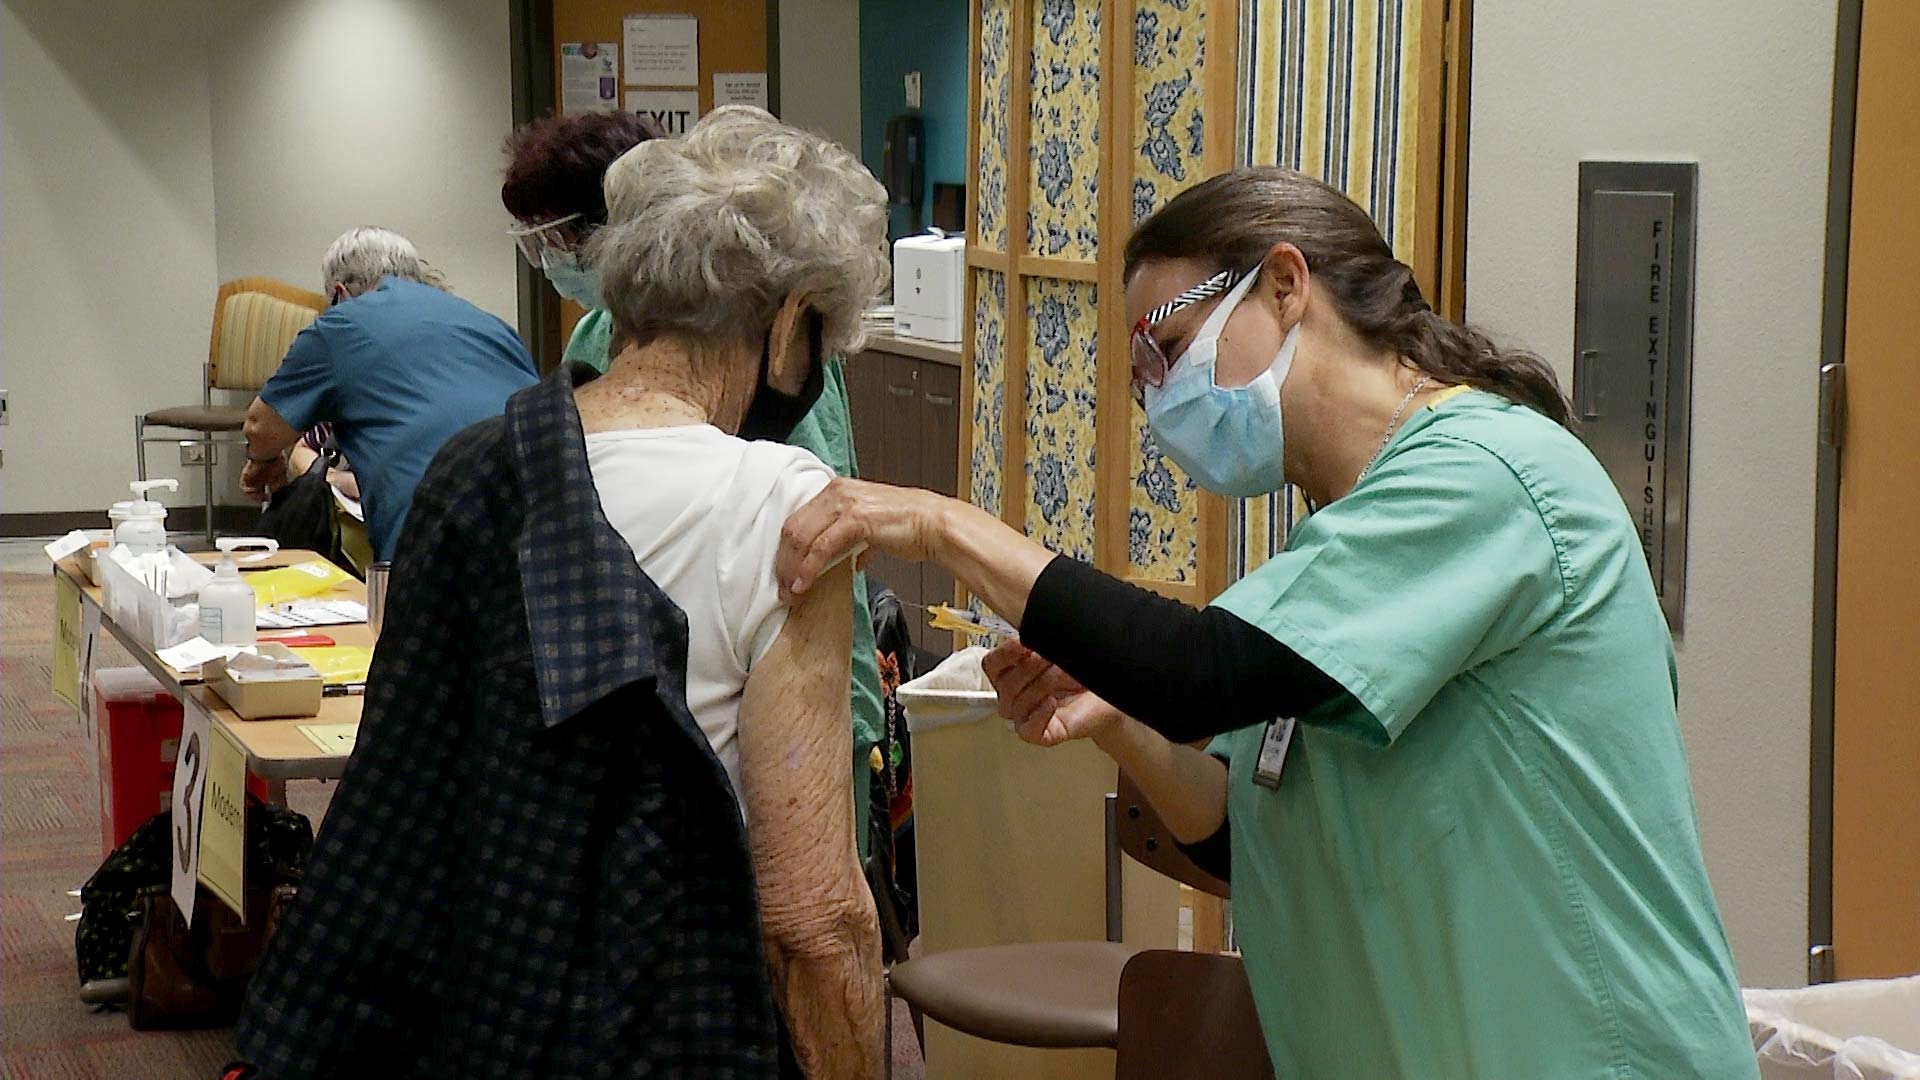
column 1433, row 742
column 552, row 189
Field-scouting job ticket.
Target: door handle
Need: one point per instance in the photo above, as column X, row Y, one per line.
column 942, row 400
column 1586, row 389
column 900, row 391
column 1833, row 403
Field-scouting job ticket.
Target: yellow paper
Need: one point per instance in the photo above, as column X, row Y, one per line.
column 334, row 740
column 339, row 664
column 296, row 582
column 223, row 844
column 66, row 640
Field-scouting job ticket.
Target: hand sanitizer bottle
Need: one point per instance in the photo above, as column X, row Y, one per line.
column 228, row 607
column 144, row 529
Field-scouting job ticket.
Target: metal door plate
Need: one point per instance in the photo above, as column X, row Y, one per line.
column 1633, row 347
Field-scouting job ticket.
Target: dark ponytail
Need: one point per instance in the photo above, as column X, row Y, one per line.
column 1233, row 220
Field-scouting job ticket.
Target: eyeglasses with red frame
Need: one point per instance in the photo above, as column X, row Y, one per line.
column 1150, row 359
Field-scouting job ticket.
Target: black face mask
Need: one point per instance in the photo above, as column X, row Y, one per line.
column 773, row 415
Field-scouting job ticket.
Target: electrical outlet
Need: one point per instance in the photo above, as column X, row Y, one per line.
column 913, row 89
column 197, row 453
column 6, row 408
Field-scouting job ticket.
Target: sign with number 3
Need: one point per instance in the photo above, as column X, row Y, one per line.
column 189, row 791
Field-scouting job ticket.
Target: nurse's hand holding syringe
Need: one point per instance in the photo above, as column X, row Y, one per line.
column 1048, row 707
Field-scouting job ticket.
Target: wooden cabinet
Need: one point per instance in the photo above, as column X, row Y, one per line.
column 905, row 402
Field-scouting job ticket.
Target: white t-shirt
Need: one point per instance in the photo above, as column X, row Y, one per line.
column 702, row 511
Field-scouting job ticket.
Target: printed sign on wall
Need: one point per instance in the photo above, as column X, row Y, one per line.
column 662, row 50
column 589, row 76
column 740, row 88
column 674, row 110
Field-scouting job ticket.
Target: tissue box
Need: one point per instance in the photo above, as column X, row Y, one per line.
column 284, row 694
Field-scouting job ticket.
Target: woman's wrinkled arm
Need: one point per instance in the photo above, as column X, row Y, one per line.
column 796, row 759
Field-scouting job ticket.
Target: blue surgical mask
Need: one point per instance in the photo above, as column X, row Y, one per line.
column 575, row 282
column 1228, row 440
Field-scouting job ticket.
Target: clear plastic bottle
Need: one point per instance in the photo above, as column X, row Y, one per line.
column 228, row 607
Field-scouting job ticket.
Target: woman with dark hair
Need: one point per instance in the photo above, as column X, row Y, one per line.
column 553, row 188
column 1445, row 768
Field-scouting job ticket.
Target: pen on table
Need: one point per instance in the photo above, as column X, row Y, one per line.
column 345, row 690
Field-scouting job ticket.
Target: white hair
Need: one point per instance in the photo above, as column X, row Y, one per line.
column 707, row 234
column 361, row 256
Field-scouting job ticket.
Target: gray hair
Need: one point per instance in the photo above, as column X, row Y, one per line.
column 707, row 234
column 361, row 256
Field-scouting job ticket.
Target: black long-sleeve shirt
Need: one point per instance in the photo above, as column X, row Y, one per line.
column 1188, row 674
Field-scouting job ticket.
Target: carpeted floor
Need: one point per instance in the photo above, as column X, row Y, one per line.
column 50, row 843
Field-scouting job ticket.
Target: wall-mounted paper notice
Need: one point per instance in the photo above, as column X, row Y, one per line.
column 674, row 110
column 662, row 50
column 589, row 76
column 740, row 88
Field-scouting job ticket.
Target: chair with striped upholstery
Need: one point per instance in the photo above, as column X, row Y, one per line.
column 254, row 322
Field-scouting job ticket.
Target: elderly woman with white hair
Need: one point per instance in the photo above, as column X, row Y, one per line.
column 598, row 821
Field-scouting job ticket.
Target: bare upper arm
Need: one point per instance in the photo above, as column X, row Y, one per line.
column 796, row 760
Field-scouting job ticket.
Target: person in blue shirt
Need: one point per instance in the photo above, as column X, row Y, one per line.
column 396, row 364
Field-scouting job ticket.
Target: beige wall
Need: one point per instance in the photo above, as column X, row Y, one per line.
column 1746, row 90
column 202, row 140
column 334, row 113
column 106, row 239
column 820, row 68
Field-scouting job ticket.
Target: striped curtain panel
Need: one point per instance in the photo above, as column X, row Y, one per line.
column 1330, row 88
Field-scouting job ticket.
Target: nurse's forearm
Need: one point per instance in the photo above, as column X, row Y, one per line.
column 1186, row 673
column 994, row 561
column 1187, row 788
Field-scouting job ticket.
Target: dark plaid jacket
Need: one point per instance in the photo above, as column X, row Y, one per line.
column 534, row 865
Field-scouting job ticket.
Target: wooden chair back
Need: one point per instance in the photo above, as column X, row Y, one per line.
column 1188, row 1016
column 1145, row 838
column 254, row 322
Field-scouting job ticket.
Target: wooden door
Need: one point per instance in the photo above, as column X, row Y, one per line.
column 900, row 426
column 1876, row 729
column 939, row 471
column 733, row 37
column 866, row 404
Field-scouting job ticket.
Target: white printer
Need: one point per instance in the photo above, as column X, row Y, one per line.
column 927, row 296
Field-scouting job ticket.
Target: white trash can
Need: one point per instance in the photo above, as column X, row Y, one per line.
column 1866, row 1029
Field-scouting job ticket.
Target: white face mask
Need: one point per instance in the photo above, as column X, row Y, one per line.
column 1228, row 440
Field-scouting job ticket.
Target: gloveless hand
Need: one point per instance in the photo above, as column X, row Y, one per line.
column 855, row 517
column 258, row 479
column 1046, row 705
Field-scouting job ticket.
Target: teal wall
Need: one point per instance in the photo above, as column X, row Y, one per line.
column 928, row 36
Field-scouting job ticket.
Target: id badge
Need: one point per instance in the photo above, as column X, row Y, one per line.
column 1273, row 753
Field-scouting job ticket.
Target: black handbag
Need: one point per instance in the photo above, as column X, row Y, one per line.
column 125, row 910
column 300, row 515
column 891, row 871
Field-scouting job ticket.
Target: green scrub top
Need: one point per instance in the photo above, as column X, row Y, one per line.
column 827, row 432
column 1482, row 861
